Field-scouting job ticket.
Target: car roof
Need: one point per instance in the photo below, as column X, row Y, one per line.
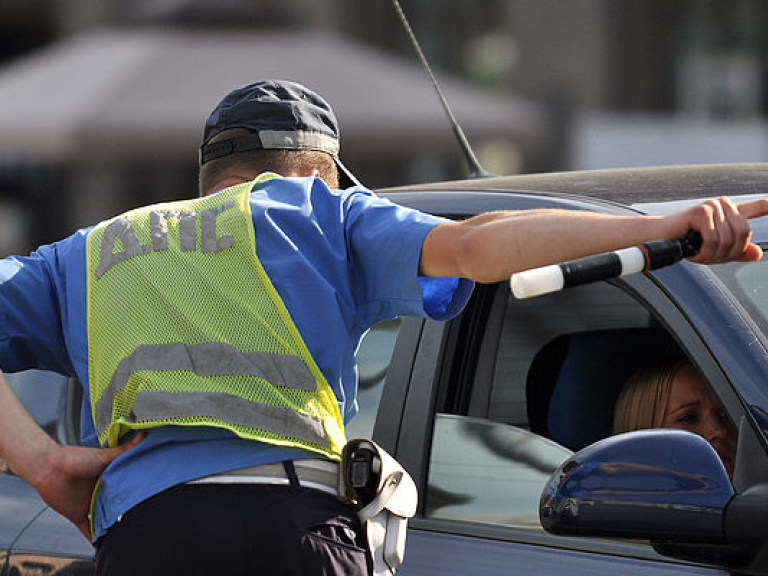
column 652, row 190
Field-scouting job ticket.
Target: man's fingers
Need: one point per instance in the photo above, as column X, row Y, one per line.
column 752, row 253
column 705, row 220
column 137, row 438
column 725, row 230
column 109, row 454
column 736, row 233
column 754, row 209
column 722, row 235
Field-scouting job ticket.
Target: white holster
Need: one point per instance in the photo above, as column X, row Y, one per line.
column 385, row 496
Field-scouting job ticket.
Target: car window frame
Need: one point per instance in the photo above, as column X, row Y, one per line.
column 428, row 376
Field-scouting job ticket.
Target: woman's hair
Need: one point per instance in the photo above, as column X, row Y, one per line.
column 643, row 399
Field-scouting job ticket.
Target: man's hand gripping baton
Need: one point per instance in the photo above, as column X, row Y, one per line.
column 646, row 256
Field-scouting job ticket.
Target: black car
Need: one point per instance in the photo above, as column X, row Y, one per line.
column 484, row 410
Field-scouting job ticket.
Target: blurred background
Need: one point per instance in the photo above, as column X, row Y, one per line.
column 102, row 103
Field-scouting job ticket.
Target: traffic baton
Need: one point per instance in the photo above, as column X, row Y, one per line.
column 641, row 258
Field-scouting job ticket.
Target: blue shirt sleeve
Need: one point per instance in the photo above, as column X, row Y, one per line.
column 385, row 242
column 31, row 334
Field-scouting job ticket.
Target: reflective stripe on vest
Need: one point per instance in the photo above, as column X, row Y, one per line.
column 185, row 328
column 214, row 359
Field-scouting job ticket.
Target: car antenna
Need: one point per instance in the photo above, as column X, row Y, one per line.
column 475, row 169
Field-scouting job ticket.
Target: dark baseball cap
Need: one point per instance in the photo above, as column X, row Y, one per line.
column 282, row 115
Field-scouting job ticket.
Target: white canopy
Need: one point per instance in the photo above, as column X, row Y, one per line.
column 121, row 93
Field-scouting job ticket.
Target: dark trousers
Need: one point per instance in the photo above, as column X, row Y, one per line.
column 233, row 530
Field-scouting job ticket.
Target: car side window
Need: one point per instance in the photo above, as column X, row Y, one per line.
column 489, row 472
column 373, row 358
column 490, row 463
column 529, row 325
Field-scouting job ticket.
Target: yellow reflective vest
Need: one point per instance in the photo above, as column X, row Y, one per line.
column 185, row 328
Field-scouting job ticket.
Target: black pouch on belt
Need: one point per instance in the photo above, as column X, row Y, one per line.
column 385, row 497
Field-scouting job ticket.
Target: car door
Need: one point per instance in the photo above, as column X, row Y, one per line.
column 36, row 540
column 467, row 435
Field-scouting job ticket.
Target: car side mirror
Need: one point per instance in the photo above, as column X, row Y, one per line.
column 666, row 486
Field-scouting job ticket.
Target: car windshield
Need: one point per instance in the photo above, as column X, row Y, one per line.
column 749, row 284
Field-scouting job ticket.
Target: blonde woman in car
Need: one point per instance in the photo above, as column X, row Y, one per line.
column 674, row 394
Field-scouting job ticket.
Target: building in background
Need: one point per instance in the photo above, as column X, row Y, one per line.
column 592, row 83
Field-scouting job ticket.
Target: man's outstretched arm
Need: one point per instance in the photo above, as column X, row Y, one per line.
column 64, row 476
column 492, row 246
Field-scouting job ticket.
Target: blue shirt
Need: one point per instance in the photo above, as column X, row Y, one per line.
column 341, row 261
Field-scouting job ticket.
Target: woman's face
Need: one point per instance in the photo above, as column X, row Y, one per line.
column 693, row 406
